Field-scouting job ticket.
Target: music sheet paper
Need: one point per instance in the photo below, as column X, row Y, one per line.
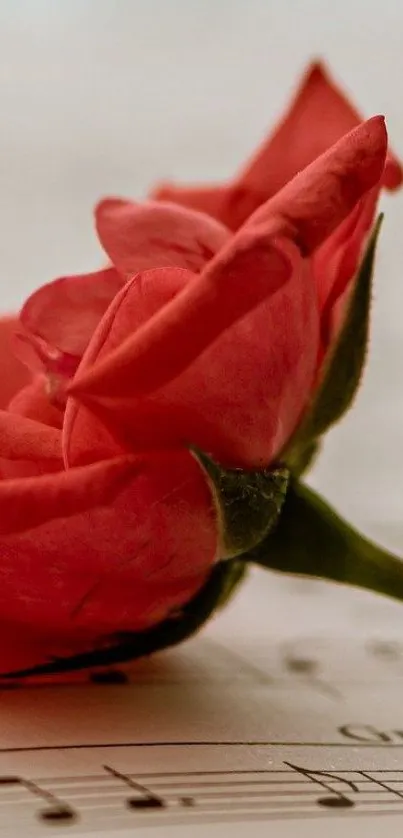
column 285, row 717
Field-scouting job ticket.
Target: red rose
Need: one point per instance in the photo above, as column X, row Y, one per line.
column 192, row 337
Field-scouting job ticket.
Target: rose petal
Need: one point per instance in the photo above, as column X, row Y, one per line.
column 207, row 199
column 242, row 275
column 25, row 439
column 335, row 263
column 29, row 448
column 239, row 400
column 320, row 197
column 231, row 204
column 28, row 503
column 14, row 374
column 33, row 401
column 149, row 292
column 59, row 319
column 153, row 235
column 115, row 550
column 318, row 117
column 308, row 210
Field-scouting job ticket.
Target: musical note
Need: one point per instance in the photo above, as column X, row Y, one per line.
column 381, row 784
column 336, row 799
column 56, row 810
column 148, row 800
column 192, row 796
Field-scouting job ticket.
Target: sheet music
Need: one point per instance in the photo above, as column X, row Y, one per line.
column 285, row 714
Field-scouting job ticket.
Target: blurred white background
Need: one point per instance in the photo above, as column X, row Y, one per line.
column 107, row 96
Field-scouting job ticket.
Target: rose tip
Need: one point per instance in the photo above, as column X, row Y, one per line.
column 379, row 119
column 109, row 202
column 377, row 135
column 316, row 70
column 376, row 126
column 372, row 135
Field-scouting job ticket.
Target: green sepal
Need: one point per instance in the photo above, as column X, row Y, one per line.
column 248, row 503
column 235, row 572
column 344, row 367
column 311, row 539
column 128, row 646
column 303, row 457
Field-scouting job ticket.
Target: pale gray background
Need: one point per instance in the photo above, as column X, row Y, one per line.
column 99, row 96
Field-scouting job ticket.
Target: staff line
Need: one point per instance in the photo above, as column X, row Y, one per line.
column 201, row 743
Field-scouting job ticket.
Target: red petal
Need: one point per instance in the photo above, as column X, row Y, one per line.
column 28, row 450
column 320, row 197
column 239, row 400
column 336, row 262
column 152, row 235
column 60, row 318
column 242, row 275
column 393, row 174
column 208, row 199
column 308, row 209
column 117, row 549
column 345, row 265
column 149, row 292
column 231, row 204
column 13, row 374
column 25, row 439
column 30, row 502
column 33, row 401
column 319, row 115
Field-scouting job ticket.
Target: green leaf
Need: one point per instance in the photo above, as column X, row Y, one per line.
column 312, row 540
column 248, row 503
column 343, row 369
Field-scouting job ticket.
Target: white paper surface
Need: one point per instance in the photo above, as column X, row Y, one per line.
column 284, row 715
